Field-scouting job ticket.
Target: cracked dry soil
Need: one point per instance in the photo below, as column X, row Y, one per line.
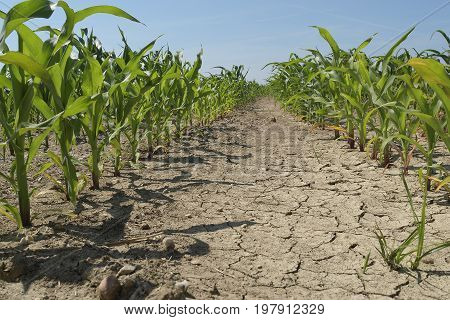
column 260, row 206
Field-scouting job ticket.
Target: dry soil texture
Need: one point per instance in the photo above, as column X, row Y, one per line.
column 260, row 206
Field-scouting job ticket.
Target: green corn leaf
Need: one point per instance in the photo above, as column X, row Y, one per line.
column 367, row 117
column 92, row 77
column 431, row 71
column 350, row 99
column 29, row 127
column 58, row 185
column 5, row 82
column 133, row 65
column 23, row 12
column 364, row 44
column 26, row 63
column 446, row 37
column 419, row 147
column 35, row 144
column 10, row 180
column 333, row 44
column 33, row 44
column 80, row 105
column 56, row 159
column 443, row 183
column 388, row 56
column 52, row 31
column 436, row 248
column 68, row 27
column 85, row 13
column 43, row 107
column 43, row 169
column 433, row 123
column 11, row 213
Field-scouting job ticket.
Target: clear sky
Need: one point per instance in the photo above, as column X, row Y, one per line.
column 254, row 33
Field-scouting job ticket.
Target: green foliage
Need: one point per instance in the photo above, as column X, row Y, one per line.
column 70, row 88
column 413, row 246
column 382, row 102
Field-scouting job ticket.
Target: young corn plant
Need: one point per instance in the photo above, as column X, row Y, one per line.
column 433, row 107
column 386, row 103
column 413, row 247
column 34, row 65
column 69, row 87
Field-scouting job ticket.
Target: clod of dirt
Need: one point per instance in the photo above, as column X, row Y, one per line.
column 169, row 244
column 126, row 270
column 274, row 119
column 12, row 269
column 109, row 288
column 183, row 285
column 45, row 232
column 428, row 261
column 142, row 289
column 26, row 240
column 128, row 288
column 196, row 262
column 169, row 292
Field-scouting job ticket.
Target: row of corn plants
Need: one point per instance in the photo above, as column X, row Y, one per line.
column 59, row 87
column 393, row 103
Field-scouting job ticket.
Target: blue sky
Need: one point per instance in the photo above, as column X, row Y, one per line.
column 254, row 33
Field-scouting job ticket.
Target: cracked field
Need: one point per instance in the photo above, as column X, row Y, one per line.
column 259, row 205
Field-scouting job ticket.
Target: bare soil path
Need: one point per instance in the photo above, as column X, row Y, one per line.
column 259, row 205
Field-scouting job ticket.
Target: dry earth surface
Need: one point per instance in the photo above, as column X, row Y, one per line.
column 259, row 205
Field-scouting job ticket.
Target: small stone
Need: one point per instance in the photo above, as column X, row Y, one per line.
column 126, row 270
column 220, row 210
column 145, row 227
column 244, row 226
column 46, row 231
column 196, row 262
column 189, row 216
column 169, row 244
column 26, row 240
column 109, row 288
column 142, row 205
column 273, row 119
column 182, row 286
